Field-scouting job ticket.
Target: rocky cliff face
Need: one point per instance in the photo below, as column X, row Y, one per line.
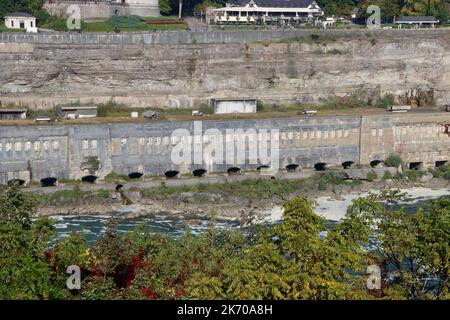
column 416, row 70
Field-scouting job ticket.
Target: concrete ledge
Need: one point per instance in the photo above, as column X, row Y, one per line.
column 16, row 47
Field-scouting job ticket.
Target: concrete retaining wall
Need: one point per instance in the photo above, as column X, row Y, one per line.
column 63, row 151
column 210, row 37
column 91, row 11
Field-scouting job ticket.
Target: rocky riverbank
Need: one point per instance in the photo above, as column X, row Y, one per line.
column 225, row 204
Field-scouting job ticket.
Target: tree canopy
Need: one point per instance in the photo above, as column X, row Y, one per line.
column 30, row 6
column 299, row 258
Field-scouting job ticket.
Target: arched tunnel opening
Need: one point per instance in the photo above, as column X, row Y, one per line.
column 199, row 172
column 135, row 175
column 321, row 166
column 49, row 182
column 347, row 164
column 89, row 179
column 171, row 173
column 119, row 187
column 415, row 165
column 262, row 167
column 375, row 163
column 292, row 167
column 233, row 170
column 441, row 163
column 18, row 182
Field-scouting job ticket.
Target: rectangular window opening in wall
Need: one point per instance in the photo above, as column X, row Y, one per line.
column 415, row 165
column 441, row 163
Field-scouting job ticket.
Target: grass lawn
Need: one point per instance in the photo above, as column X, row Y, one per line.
column 166, row 27
column 132, row 25
column 162, row 18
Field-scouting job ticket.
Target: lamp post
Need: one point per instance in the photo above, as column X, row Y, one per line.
column 180, row 7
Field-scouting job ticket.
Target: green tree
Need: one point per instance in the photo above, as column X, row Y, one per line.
column 30, row 6
column 24, row 273
column 34, row 6
column 165, row 7
column 71, row 250
column 388, row 7
column 291, row 261
column 443, row 12
column 338, row 7
column 421, row 7
column 414, row 249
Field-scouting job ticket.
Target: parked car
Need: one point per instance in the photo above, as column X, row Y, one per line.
column 197, row 113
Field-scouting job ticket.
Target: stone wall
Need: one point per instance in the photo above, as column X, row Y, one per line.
column 92, row 11
column 64, row 151
column 186, row 69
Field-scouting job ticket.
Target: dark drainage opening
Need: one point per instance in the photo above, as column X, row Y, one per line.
column 199, row 172
column 440, row 163
column 292, row 167
column 171, row 173
column 233, row 170
column 119, row 187
column 18, row 182
column 89, row 179
column 347, row 164
column 262, row 167
column 415, row 165
column 49, row 182
column 321, row 166
column 375, row 163
column 135, row 175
